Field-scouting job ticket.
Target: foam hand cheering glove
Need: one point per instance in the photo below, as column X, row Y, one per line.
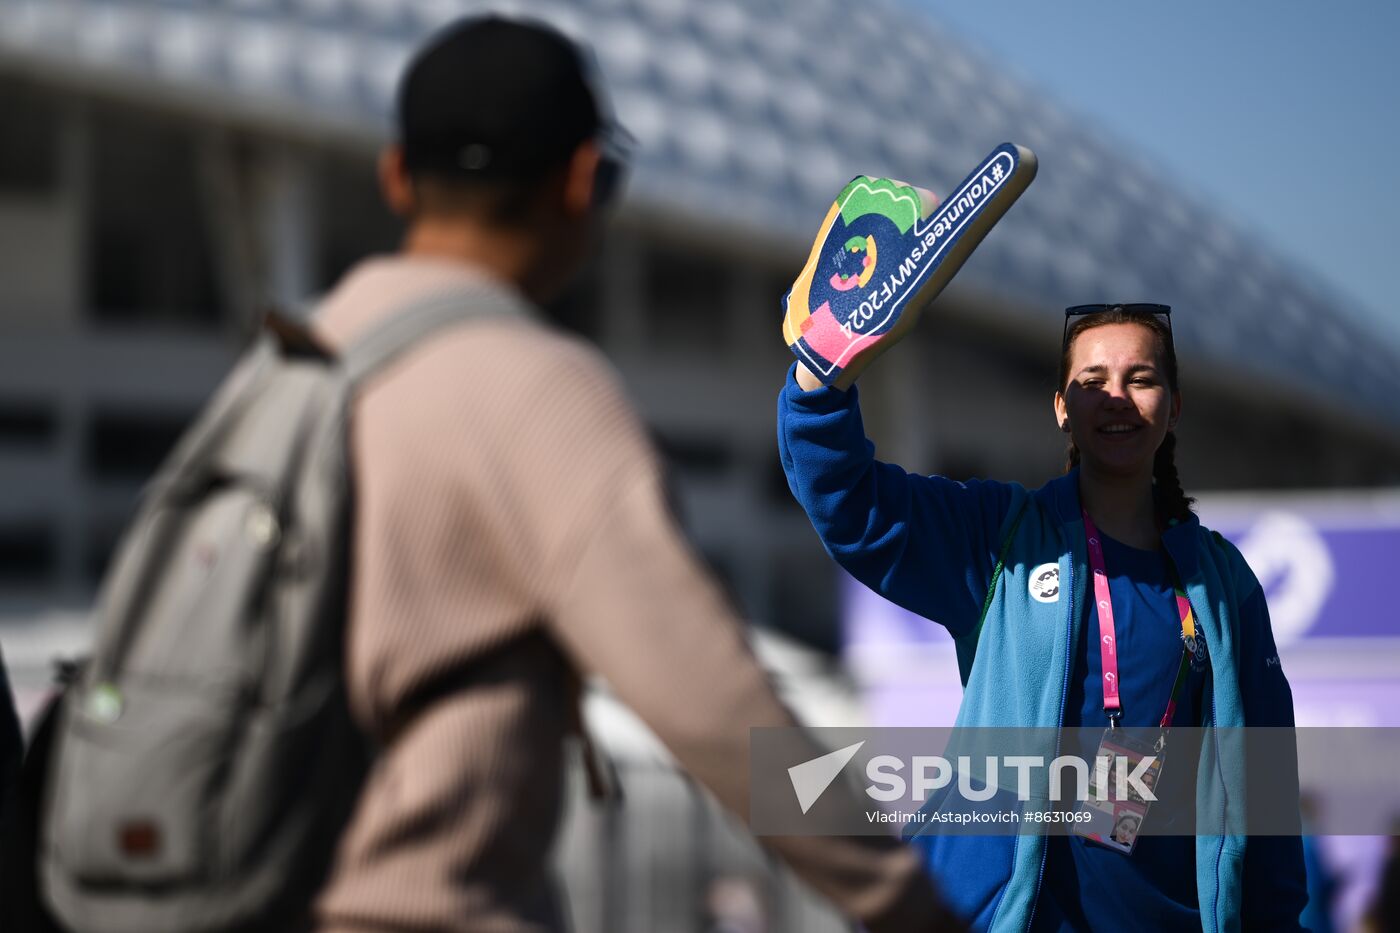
column 883, row 253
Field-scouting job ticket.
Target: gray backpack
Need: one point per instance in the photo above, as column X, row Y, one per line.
column 205, row 760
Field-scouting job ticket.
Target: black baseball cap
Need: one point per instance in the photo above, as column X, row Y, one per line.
column 491, row 96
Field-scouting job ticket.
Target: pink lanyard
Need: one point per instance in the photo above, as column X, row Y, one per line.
column 1108, row 639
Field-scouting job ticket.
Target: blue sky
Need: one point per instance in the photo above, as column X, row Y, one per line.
column 1283, row 113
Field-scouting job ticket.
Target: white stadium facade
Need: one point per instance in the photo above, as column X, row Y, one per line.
column 169, row 168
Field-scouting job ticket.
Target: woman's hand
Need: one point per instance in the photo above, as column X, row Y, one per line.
column 806, row 379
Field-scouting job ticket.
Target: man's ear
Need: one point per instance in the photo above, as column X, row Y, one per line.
column 394, row 183
column 1061, row 412
column 580, row 176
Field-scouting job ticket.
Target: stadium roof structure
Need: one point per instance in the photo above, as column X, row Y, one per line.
column 753, row 114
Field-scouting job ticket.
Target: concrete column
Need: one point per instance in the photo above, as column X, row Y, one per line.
column 754, row 544
column 224, row 187
column 285, row 227
column 74, row 508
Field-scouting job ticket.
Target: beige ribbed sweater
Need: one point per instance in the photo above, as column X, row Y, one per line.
column 506, row 495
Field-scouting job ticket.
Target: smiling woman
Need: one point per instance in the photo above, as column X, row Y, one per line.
column 1050, row 596
column 1119, row 399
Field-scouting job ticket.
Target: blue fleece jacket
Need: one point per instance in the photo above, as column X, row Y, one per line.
column 930, row 545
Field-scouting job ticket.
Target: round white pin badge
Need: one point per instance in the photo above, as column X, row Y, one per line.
column 1045, row 583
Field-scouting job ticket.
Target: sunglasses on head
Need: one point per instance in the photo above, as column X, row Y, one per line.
column 1162, row 313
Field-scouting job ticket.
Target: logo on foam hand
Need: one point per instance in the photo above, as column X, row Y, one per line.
column 850, row 296
column 866, row 208
column 856, row 245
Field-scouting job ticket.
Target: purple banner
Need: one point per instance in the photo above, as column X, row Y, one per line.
column 1327, row 566
column 1327, row 563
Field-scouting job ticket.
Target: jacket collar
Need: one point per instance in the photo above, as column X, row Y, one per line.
column 1061, row 497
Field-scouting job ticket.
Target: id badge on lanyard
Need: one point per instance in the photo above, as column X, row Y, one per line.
column 1117, row 807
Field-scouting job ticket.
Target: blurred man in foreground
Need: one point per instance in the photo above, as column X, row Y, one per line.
column 511, row 528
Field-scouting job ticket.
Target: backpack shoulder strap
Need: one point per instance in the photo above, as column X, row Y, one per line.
column 403, row 329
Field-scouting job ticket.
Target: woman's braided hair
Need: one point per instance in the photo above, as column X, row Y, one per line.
column 1171, row 498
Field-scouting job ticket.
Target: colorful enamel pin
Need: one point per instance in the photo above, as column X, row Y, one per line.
column 883, row 253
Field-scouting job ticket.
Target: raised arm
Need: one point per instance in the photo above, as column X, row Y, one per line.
column 926, row 543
